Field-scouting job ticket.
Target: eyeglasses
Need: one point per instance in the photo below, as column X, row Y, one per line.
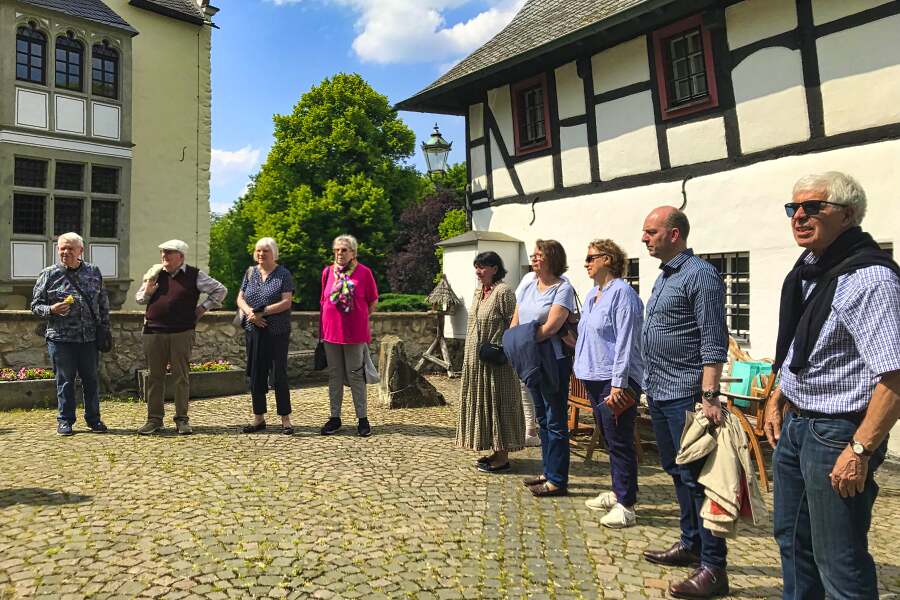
column 592, row 257
column 810, row 207
column 534, row 257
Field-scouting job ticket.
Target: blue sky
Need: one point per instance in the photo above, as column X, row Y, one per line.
column 267, row 53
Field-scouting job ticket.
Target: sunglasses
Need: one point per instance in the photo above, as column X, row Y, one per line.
column 810, row 207
column 592, row 257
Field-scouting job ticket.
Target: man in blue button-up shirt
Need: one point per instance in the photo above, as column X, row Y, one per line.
column 685, row 343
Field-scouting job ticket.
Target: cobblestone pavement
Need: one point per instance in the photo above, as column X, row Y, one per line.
column 401, row 514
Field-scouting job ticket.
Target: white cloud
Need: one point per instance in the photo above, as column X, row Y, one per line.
column 229, row 173
column 405, row 31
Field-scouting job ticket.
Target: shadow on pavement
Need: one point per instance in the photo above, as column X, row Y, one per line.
column 38, row 497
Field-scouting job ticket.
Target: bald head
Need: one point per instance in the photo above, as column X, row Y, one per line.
column 665, row 232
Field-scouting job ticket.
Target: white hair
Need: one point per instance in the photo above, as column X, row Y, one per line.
column 839, row 188
column 346, row 239
column 70, row 237
column 269, row 243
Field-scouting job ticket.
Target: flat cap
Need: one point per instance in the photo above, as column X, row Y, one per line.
column 176, row 245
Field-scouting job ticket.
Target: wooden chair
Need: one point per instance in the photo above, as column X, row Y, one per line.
column 752, row 417
column 579, row 401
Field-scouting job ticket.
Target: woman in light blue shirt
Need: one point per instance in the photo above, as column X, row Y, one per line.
column 549, row 299
column 608, row 360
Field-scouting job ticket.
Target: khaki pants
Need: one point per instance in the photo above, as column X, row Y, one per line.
column 164, row 349
column 346, row 367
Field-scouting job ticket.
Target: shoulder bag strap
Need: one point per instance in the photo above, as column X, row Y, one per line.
column 83, row 295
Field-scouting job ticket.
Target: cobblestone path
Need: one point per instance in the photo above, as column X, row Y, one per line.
column 401, row 514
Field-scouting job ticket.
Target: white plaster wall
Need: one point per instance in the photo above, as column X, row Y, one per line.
column 536, row 174
column 770, row 100
column 733, row 211
column 476, row 121
column 574, row 155
column 500, row 178
column 70, row 113
column 499, row 103
column 626, row 136
column 752, row 20
column 830, row 10
column 569, row 91
column 477, row 167
column 697, row 142
column 31, row 108
column 461, row 275
column 620, row 65
column 860, row 71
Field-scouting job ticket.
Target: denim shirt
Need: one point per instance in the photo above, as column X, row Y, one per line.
column 54, row 286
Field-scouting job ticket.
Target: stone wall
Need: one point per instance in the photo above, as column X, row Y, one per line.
column 216, row 339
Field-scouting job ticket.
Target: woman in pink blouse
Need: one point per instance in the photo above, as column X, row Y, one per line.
column 349, row 295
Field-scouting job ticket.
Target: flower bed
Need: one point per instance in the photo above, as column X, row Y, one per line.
column 27, row 388
column 25, row 374
column 207, row 380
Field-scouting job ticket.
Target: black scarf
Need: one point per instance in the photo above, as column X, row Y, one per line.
column 801, row 320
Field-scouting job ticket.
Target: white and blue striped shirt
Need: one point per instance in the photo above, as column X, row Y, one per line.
column 858, row 344
column 685, row 327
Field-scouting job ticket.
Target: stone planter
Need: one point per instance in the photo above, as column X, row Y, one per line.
column 204, row 384
column 36, row 393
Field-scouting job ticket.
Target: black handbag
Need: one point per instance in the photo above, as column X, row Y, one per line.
column 103, row 336
column 320, row 359
column 492, row 354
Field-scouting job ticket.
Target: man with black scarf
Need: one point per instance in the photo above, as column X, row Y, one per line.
column 839, row 346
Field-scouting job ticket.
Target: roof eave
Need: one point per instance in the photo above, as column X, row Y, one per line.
column 162, row 10
column 421, row 102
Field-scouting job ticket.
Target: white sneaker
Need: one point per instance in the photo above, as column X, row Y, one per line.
column 618, row 517
column 605, row 501
column 532, row 441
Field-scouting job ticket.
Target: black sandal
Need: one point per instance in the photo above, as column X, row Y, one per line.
column 254, row 427
column 289, row 430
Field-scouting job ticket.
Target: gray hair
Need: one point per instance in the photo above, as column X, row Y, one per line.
column 70, row 237
column 678, row 220
column 346, row 239
column 269, row 243
column 839, row 188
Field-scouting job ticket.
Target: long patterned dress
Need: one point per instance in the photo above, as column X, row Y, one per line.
column 490, row 401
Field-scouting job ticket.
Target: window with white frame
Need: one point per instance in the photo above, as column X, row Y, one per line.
column 734, row 267
column 632, row 274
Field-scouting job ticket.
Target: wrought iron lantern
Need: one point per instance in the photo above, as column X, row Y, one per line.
column 436, row 151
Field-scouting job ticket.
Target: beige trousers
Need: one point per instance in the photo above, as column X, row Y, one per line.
column 164, row 349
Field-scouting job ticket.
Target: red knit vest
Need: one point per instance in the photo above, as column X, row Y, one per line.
column 173, row 306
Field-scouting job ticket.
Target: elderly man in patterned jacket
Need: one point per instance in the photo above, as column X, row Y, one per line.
column 71, row 297
column 839, row 354
column 171, row 290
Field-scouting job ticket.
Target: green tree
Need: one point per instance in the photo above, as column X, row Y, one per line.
column 336, row 166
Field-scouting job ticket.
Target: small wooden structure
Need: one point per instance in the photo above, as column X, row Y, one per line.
column 443, row 302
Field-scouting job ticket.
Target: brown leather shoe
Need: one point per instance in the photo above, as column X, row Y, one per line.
column 676, row 556
column 705, row 582
column 533, row 481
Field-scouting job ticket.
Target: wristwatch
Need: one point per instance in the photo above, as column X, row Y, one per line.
column 710, row 395
column 858, row 449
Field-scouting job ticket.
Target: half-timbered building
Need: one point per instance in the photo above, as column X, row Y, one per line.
column 583, row 115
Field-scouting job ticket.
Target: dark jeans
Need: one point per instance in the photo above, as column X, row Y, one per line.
column 668, row 423
column 823, row 538
column 551, row 412
column 619, row 435
column 71, row 359
column 267, row 352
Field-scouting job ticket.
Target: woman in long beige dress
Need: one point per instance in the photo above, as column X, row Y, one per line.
column 490, row 402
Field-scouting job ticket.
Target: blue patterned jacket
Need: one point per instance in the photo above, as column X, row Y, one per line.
column 53, row 286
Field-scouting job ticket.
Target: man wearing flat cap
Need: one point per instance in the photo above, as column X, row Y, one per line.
column 171, row 291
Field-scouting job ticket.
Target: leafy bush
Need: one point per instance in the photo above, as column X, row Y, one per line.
column 402, row 303
column 211, row 365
